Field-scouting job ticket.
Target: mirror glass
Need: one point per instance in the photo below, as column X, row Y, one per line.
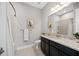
column 65, row 21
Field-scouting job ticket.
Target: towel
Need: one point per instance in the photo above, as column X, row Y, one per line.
column 26, row 35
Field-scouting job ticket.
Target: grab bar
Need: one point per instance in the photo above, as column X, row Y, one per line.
column 13, row 8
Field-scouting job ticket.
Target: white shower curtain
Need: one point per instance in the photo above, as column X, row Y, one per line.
column 11, row 25
column 13, row 29
column 10, row 41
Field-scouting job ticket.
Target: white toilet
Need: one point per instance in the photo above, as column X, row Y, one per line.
column 37, row 43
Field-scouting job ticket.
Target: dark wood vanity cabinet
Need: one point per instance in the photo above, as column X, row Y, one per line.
column 56, row 50
column 51, row 48
column 63, row 50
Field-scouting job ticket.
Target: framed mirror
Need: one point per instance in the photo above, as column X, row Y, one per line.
column 63, row 20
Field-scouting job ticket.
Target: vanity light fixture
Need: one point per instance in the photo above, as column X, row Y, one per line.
column 62, row 3
column 59, row 7
column 54, row 8
column 64, row 11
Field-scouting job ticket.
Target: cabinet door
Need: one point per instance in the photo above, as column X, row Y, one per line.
column 53, row 51
column 45, row 48
column 56, row 52
column 78, row 53
column 61, row 53
column 69, row 51
column 45, row 40
column 42, row 46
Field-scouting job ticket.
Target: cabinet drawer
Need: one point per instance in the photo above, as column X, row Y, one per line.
column 45, row 40
column 56, row 45
column 42, row 46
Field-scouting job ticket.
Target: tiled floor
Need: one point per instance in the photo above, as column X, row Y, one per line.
column 30, row 51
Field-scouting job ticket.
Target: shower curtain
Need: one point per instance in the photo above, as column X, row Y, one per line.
column 10, row 41
column 12, row 28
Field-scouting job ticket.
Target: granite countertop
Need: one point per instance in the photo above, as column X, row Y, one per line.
column 74, row 44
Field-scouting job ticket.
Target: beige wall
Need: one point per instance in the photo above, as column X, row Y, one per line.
column 23, row 11
column 45, row 13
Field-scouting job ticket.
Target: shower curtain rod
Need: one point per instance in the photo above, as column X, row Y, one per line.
column 13, row 8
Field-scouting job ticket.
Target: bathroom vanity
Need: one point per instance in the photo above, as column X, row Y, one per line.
column 53, row 46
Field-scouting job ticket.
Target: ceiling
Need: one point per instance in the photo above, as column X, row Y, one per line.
column 39, row 5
